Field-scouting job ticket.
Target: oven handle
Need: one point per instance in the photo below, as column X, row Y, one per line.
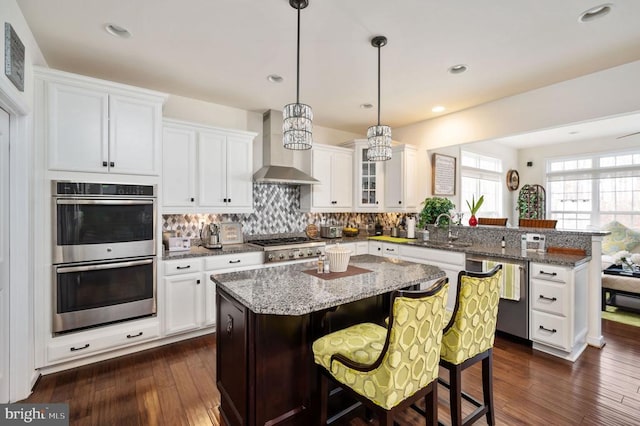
column 73, row 201
column 84, row 268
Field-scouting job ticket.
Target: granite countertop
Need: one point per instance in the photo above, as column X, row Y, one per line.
column 286, row 290
column 507, row 253
column 199, row 251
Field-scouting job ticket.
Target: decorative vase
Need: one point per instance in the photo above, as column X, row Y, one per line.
column 473, row 221
column 626, row 267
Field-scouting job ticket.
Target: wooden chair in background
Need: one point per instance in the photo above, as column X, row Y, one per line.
column 537, row 223
column 494, row 221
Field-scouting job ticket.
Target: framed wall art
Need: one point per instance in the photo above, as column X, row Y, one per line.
column 443, row 174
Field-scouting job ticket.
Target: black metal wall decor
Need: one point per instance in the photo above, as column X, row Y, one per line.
column 532, row 202
column 13, row 57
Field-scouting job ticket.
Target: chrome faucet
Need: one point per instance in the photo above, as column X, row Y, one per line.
column 448, row 224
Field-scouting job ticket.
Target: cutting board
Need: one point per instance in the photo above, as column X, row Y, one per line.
column 392, row 239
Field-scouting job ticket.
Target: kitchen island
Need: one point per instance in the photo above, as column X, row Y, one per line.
column 268, row 318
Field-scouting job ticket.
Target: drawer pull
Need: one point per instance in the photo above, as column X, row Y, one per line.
column 550, row 299
column 389, row 249
column 74, row 349
column 235, row 261
column 546, row 329
column 551, row 274
column 183, row 267
column 131, row 336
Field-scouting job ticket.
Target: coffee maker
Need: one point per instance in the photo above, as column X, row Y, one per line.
column 210, row 236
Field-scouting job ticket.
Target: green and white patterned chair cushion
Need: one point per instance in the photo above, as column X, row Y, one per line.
column 474, row 327
column 409, row 364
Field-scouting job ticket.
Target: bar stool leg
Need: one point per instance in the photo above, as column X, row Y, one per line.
column 487, row 387
column 455, row 395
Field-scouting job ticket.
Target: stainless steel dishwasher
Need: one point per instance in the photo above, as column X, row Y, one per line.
column 513, row 316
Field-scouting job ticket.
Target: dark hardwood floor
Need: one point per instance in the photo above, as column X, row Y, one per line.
column 175, row 385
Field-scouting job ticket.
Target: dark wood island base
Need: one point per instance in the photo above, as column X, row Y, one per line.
column 268, row 319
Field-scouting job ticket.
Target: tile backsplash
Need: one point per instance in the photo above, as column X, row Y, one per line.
column 276, row 211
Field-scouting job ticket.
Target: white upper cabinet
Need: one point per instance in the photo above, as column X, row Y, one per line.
column 368, row 179
column 206, row 169
column 401, row 180
column 100, row 127
column 332, row 166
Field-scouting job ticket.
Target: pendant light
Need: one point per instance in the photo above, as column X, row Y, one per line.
column 297, row 118
column 379, row 136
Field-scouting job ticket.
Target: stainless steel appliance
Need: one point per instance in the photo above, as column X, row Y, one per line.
column 210, row 236
column 104, row 246
column 89, row 294
column 513, row 316
column 330, row 231
column 283, row 249
column 98, row 221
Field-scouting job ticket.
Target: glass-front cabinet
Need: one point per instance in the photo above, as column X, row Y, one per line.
column 368, row 179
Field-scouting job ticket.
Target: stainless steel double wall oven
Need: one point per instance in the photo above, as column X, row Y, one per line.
column 104, row 247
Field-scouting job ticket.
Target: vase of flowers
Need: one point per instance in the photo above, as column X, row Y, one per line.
column 628, row 261
column 474, row 206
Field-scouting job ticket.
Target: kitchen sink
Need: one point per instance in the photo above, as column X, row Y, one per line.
column 443, row 244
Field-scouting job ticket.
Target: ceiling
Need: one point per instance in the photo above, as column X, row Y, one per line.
column 222, row 51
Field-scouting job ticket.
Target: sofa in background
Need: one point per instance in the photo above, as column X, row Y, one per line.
column 619, row 291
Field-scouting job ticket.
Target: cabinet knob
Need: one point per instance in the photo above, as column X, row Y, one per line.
column 229, row 200
column 112, row 164
column 192, row 199
column 399, row 202
column 197, row 281
column 104, row 164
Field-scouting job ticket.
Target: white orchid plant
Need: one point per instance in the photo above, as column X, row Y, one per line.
column 624, row 257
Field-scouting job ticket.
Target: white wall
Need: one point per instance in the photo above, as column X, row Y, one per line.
column 20, row 106
column 538, row 155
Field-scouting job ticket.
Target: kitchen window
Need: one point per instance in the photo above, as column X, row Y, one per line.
column 481, row 175
column 590, row 191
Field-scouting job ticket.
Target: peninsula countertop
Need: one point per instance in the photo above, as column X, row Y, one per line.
column 287, row 290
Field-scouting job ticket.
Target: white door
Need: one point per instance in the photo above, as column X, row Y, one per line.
column 239, row 172
column 4, row 257
column 321, row 164
column 342, row 179
column 178, row 167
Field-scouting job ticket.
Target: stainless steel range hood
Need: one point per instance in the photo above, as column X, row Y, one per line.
column 278, row 162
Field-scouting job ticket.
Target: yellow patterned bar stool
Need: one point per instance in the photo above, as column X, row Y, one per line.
column 468, row 338
column 388, row 369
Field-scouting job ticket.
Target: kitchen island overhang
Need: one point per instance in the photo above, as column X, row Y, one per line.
column 267, row 320
column 286, row 290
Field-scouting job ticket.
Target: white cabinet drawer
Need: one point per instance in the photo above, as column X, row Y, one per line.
column 550, row 329
column 550, row 297
column 390, row 250
column 100, row 340
column 362, row 247
column 549, row 272
column 434, row 256
column 182, row 266
column 375, row 248
column 239, row 260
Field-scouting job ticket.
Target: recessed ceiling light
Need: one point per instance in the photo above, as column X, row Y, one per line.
column 438, row 108
column 458, row 69
column 275, row 78
column 366, row 106
column 595, row 12
column 117, row 31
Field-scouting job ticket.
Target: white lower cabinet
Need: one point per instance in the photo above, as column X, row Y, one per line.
column 375, row 248
column 357, row 247
column 451, row 262
column 558, row 315
column 184, row 295
column 95, row 341
column 190, row 295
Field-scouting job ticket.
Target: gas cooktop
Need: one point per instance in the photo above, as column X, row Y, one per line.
column 283, row 249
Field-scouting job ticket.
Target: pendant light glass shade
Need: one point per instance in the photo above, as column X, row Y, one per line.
column 297, row 124
column 379, row 136
column 379, row 143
